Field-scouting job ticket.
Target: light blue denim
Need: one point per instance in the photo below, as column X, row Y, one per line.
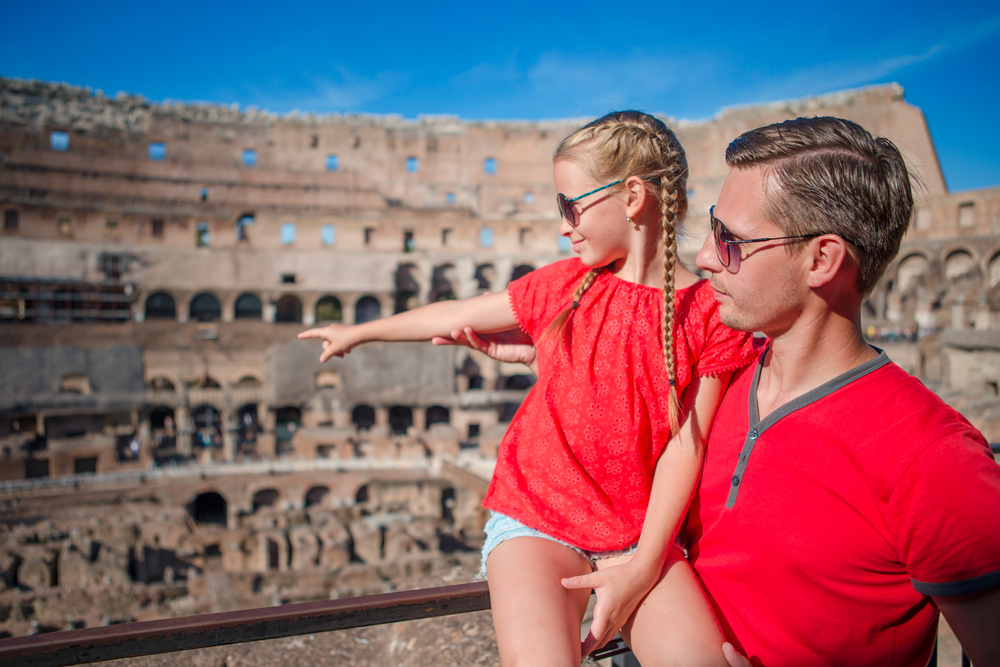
column 501, row 527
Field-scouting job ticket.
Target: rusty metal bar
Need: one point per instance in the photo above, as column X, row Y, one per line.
column 129, row 640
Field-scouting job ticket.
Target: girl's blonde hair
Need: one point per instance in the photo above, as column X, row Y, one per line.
column 618, row 146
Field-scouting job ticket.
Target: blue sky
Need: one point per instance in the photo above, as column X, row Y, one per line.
column 524, row 60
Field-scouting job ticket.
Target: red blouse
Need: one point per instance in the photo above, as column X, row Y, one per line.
column 578, row 458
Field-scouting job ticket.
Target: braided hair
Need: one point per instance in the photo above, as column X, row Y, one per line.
column 617, row 146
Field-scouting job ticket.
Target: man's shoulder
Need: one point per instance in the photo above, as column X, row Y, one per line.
column 901, row 413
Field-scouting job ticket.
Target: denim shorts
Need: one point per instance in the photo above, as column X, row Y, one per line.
column 501, row 528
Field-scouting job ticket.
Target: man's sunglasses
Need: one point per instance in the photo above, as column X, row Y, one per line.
column 568, row 211
column 728, row 249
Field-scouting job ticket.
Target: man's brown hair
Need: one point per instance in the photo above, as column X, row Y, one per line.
column 831, row 176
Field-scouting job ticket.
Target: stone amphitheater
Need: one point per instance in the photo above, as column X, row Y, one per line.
column 168, row 447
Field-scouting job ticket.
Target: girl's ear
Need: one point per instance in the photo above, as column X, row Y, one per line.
column 635, row 190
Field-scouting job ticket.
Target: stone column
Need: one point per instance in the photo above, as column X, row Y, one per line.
column 229, row 429
column 958, row 313
column 183, row 428
column 982, row 314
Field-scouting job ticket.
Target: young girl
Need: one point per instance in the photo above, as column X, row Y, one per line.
column 599, row 464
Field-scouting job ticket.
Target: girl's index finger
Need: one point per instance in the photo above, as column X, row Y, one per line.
column 311, row 333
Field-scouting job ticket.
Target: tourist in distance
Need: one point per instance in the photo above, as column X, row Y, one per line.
column 842, row 504
column 599, row 464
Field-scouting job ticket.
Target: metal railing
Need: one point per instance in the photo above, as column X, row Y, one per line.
column 131, row 640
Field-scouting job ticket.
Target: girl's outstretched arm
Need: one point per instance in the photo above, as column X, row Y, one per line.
column 621, row 588
column 486, row 313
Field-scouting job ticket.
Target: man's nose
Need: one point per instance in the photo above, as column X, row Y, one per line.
column 708, row 258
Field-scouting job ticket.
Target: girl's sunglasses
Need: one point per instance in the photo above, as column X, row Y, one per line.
column 568, row 211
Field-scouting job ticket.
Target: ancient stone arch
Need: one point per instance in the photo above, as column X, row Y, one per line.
column 993, row 269
column 520, row 271
column 437, row 414
column 407, row 293
column 486, row 277
column 910, row 270
column 363, row 416
column 209, row 507
column 205, row 307
column 329, row 309
column 400, row 419
column 958, row 261
column 248, row 306
column 316, row 495
column 268, row 497
column 443, row 284
column 160, row 306
column 288, row 309
column 367, row 309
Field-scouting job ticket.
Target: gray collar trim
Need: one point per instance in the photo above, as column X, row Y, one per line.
column 758, row 427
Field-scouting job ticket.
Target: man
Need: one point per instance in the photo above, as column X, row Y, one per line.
column 842, row 504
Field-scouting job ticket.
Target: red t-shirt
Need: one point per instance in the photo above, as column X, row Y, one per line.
column 577, row 461
column 820, row 531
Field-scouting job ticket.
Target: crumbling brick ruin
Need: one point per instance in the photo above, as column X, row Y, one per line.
column 157, row 260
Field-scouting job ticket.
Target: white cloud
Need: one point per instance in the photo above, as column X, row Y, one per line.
column 344, row 92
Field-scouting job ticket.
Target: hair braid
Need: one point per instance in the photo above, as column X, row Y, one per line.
column 668, row 228
column 561, row 319
column 631, row 143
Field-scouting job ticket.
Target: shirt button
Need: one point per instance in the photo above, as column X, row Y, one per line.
column 753, row 434
column 736, row 480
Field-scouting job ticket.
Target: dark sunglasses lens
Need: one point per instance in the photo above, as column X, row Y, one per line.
column 566, row 209
column 721, row 236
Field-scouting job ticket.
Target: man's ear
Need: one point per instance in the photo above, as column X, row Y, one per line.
column 829, row 259
column 635, row 190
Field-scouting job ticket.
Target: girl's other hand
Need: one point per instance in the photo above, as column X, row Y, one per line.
column 335, row 340
column 619, row 590
column 513, row 346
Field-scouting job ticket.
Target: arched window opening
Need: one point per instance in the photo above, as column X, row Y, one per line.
column 437, row 414
column 407, row 288
column 367, row 309
column 911, row 271
column 328, row 309
column 315, row 495
column 486, row 275
column 161, row 384
column 287, row 422
column 161, row 418
column 205, row 308
column 265, row 498
column 518, row 382
column 520, row 271
column 442, row 283
column 362, row 495
column 363, row 416
column 247, row 427
column 208, row 426
column 160, row 306
column 994, row 268
column 958, row 264
column 248, row 307
column 209, row 507
column 242, row 225
column 400, row 419
column 448, row 503
column 289, row 309
column 506, row 412
column 471, row 370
